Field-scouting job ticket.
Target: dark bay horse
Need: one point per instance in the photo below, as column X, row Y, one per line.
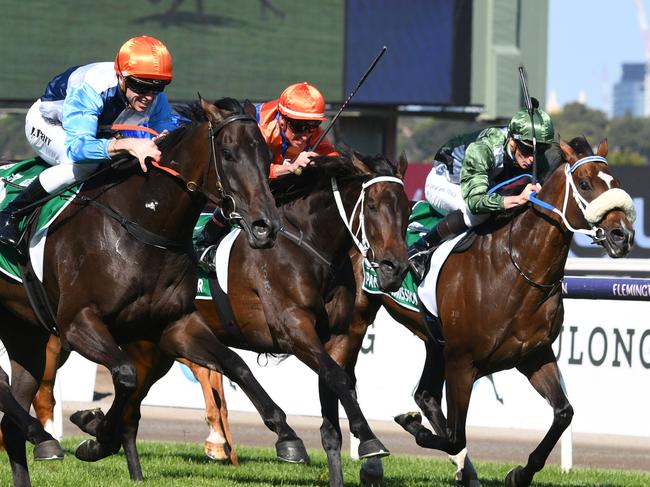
column 500, row 303
column 119, row 266
column 279, row 295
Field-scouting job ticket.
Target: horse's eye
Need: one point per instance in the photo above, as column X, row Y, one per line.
column 372, row 206
column 227, row 155
column 584, row 185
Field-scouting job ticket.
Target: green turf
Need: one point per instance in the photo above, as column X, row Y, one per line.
column 183, row 464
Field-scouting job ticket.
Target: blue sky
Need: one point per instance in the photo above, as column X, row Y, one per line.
column 589, row 40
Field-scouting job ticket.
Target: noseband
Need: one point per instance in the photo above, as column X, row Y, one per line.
column 362, row 244
column 609, row 200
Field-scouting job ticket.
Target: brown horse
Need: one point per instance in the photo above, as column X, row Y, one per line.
column 500, row 303
column 119, row 266
column 278, row 295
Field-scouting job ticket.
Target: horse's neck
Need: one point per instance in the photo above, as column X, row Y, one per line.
column 322, row 223
column 540, row 241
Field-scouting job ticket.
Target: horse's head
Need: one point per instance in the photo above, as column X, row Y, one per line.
column 593, row 201
column 385, row 210
column 242, row 160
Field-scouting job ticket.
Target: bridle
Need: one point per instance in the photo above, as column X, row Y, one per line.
column 617, row 197
column 221, row 194
column 361, row 243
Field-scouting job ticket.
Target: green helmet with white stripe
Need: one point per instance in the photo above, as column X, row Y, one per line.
column 520, row 127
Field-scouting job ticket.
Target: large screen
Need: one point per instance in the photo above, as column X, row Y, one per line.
column 428, row 56
column 243, row 49
column 252, row 48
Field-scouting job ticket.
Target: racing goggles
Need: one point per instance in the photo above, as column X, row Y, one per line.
column 142, row 86
column 302, row 126
column 527, row 149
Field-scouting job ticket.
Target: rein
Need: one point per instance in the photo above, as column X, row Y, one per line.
column 362, row 244
column 596, row 233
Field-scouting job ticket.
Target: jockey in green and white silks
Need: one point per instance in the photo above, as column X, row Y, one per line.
column 468, row 165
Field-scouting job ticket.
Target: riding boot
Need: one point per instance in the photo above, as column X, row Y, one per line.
column 419, row 253
column 9, row 233
column 205, row 245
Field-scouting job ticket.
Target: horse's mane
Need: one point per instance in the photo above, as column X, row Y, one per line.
column 192, row 114
column 291, row 187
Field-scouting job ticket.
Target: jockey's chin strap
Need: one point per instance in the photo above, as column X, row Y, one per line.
column 604, row 202
column 362, row 244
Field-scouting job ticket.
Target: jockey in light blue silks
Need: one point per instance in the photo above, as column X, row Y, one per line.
column 68, row 126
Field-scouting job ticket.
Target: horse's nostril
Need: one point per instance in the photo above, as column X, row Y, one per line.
column 618, row 235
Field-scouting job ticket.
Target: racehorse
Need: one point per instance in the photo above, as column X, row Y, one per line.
column 500, row 302
column 119, row 266
column 278, row 295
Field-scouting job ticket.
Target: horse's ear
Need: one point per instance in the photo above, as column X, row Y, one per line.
column 402, row 165
column 602, row 148
column 249, row 108
column 211, row 111
column 359, row 165
column 570, row 155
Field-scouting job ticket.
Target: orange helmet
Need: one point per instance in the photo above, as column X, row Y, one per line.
column 301, row 101
column 144, row 57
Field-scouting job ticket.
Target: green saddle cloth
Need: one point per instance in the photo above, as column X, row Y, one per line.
column 203, row 285
column 423, row 218
column 13, row 179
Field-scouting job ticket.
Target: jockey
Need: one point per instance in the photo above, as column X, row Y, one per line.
column 68, row 126
column 467, row 166
column 291, row 126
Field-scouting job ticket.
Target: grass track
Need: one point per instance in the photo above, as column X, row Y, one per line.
column 182, row 464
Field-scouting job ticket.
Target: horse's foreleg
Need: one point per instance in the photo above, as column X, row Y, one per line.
column 219, row 396
column 89, row 336
column 330, row 432
column 307, row 347
column 428, row 397
column 27, row 353
column 215, row 447
column 544, row 375
column 44, row 401
column 191, row 338
column 459, row 387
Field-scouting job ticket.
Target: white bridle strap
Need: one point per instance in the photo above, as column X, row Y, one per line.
column 609, row 200
column 362, row 244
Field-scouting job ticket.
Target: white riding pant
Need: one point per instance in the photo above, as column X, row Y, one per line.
column 445, row 196
column 48, row 141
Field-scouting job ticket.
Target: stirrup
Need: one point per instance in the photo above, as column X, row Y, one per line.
column 419, row 263
column 207, row 259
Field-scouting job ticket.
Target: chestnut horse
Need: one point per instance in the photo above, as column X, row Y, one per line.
column 500, row 302
column 279, row 295
column 119, row 266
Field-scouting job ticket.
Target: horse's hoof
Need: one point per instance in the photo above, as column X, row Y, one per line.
column 88, row 420
column 92, row 451
column 462, row 481
column 511, row 477
column 292, row 451
column 371, row 473
column 372, row 448
column 48, row 450
column 406, row 419
column 219, row 452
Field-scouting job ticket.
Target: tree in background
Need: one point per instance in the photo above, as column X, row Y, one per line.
column 629, row 138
